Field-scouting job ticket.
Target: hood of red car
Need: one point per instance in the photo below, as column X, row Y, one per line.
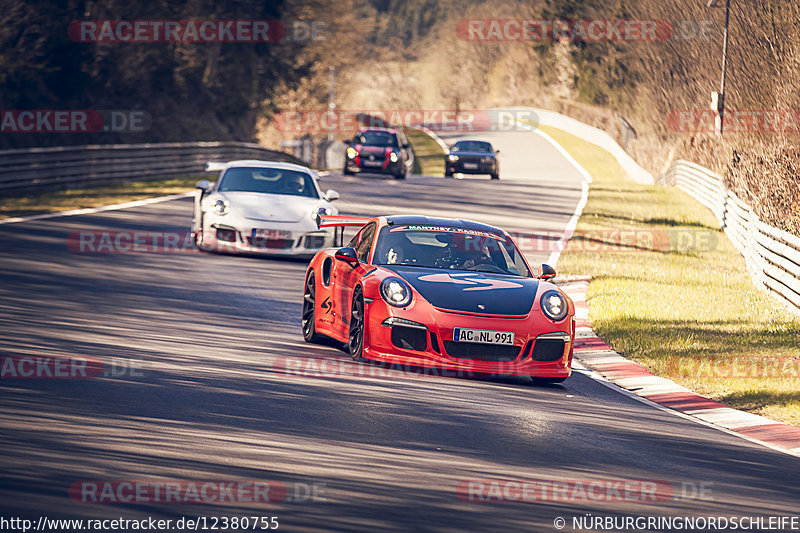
column 472, row 292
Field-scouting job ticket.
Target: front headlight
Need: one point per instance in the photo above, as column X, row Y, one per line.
column 221, row 207
column 396, row 292
column 486, row 160
column 452, row 157
column 393, row 157
column 554, row 305
column 351, row 153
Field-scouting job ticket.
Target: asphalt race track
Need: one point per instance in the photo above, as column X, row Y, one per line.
column 201, row 348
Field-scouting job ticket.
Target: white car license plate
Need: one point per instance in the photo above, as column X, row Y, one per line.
column 483, row 336
column 271, row 234
column 471, row 166
column 369, row 163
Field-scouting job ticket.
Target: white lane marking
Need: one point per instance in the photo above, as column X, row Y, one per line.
column 91, row 210
column 569, row 230
column 591, row 374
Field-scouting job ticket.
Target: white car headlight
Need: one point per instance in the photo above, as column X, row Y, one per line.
column 351, row 152
column 554, row 306
column 221, row 207
column 452, row 157
column 393, row 157
column 396, row 292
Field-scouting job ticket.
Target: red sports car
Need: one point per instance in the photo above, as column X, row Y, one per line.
column 443, row 293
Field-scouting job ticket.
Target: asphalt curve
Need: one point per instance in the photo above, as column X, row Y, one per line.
column 201, row 354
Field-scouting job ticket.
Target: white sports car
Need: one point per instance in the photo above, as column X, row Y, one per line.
column 262, row 207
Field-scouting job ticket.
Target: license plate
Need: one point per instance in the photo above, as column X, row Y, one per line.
column 471, row 166
column 369, row 163
column 483, row 336
column 271, row 234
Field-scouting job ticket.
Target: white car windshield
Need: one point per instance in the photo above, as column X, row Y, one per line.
column 268, row 180
column 450, row 248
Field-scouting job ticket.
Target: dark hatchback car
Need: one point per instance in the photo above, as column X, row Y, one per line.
column 472, row 157
column 378, row 150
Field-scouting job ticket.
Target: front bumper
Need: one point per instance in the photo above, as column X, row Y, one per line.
column 385, row 167
column 229, row 239
column 541, row 347
column 457, row 167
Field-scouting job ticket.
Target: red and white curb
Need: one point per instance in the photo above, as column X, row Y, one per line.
column 593, row 353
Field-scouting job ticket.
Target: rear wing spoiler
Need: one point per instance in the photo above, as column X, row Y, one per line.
column 215, row 166
column 339, row 221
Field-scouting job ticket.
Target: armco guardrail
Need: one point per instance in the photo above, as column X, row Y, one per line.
column 772, row 255
column 78, row 166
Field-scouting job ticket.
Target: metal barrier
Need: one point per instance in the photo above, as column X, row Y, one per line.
column 90, row 165
column 771, row 254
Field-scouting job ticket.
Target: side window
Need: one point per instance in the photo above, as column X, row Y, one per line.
column 365, row 244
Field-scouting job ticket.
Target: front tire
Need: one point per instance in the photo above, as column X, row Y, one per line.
column 356, row 337
column 347, row 172
column 309, row 311
column 494, row 176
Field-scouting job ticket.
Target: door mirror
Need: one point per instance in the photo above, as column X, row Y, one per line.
column 203, row 185
column 348, row 255
column 497, row 151
column 348, row 142
column 546, row 272
column 331, row 195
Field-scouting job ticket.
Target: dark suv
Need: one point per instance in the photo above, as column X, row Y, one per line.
column 378, row 150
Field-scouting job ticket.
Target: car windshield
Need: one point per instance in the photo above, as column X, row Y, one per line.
column 268, row 180
column 376, row 138
column 449, row 248
column 472, row 146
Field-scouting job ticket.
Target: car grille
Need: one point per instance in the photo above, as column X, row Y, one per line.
column 548, row 349
column 314, row 241
column 409, row 338
column 481, row 352
column 272, row 244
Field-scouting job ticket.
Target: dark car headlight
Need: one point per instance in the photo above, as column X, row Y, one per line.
column 554, row 305
column 396, row 292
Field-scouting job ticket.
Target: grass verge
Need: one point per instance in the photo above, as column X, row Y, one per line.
column 671, row 292
column 54, row 201
column 428, row 155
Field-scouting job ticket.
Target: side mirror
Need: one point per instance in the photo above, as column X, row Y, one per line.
column 348, row 255
column 497, row 151
column 348, row 142
column 204, row 186
column 546, row 272
column 331, row 195
column 405, row 145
